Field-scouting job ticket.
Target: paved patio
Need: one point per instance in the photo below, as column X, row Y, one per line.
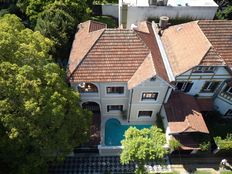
column 96, row 164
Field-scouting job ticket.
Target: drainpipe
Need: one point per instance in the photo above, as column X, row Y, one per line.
column 130, row 106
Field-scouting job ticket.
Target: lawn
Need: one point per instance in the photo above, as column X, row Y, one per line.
column 110, row 21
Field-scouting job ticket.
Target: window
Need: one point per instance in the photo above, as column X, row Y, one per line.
column 184, row 86
column 115, row 90
column 228, row 90
column 210, row 86
column 114, row 108
column 204, row 69
column 149, row 95
column 87, row 88
column 229, row 113
column 145, row 113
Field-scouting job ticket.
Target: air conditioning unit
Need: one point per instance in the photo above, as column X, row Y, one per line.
column 152, row 2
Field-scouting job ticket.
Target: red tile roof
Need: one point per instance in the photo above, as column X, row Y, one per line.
column 150, row 41
column 115, row 55
column 209, row 40
column 205, row 104
column 219, row 33
column 183, row 114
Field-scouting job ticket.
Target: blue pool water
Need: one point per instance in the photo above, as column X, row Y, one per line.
column 114, row 131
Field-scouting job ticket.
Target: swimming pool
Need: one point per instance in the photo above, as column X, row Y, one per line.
column 114, row 131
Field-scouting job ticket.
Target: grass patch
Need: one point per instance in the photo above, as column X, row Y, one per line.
column 203, row 172
column 110, row 21
column 226, row 172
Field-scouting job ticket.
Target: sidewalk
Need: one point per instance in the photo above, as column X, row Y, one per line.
column 190, row 164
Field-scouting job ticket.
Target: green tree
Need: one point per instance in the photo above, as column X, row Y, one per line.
column 141, row 146
column 224, row 9
column 57, row 20
column 40, row 119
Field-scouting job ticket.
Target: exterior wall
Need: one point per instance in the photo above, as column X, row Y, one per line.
column 223, row 102
column 199, row 79
column 139, row 13
column 136, row 104
column 104, row 99
column 110, row 10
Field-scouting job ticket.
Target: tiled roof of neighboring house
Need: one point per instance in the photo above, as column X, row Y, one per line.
column 219, row 33
column 115, row 55
column 205, row 104
column 207, row 43
column 185, row 46
column 183, row 114
column 212, row 58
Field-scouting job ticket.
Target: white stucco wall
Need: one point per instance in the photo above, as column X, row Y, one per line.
column 110, row 10
column 140, row 13
column 223, row 102
column 147, row 105
column 199, row 80
column 222, row 105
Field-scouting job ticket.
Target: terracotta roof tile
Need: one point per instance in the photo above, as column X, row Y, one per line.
column 145, row 71
column 94, row 26
column 184, row 119
column 185, row 45
column 205, row 104
column 83, row 42
column 212, row 58
column 115, row 55
column 219, row 33
column 149, row 39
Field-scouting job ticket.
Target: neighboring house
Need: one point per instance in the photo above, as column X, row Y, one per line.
column 127, row 76
column 184, row 120
column 200, row 56
column 134, row 11
column 119, row 73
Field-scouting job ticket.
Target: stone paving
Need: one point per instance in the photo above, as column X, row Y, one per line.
column 100, row 165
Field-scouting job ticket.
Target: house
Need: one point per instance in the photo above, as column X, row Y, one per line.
column 118, row 71
column 199, row 55
column 134, row 11
column 127, row 76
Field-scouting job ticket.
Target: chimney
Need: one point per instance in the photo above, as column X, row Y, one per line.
column 163, row 22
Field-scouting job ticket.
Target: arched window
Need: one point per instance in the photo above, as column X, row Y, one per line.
column 87, row 88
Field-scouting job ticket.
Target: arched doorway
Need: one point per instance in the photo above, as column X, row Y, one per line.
column 96, row 122
column 92, row 106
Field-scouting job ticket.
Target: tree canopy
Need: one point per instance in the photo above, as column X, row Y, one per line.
column 57, row 20
column 224, row 10
column 141, row 146
column 40, row 119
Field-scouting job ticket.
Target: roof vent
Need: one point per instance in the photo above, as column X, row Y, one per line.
column 163, row 23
